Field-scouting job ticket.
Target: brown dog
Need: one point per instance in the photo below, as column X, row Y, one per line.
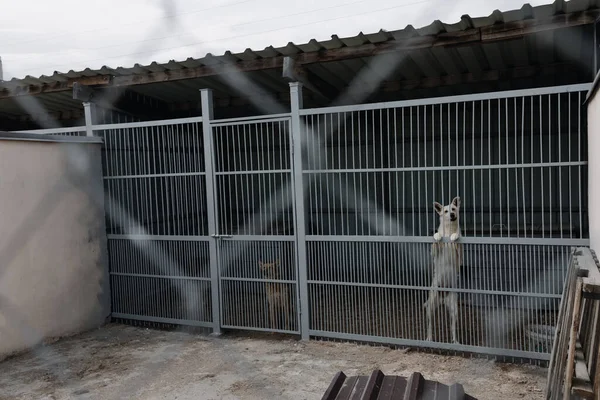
column 277, row 296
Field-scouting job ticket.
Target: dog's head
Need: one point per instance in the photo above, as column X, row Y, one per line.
column 449, row 212
column 269, row 269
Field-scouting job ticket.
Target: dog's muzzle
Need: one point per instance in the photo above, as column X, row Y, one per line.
column 452, row 217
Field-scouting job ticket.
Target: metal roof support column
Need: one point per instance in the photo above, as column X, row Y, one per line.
column 211, row 205
column 89, row 120
column 301, row 262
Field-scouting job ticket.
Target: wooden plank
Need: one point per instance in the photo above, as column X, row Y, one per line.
column 581, row 371
column 556, row 355
column 582, row 390
column 575, row 354
column 596, row 370
column 572, row 340
column 591, row 274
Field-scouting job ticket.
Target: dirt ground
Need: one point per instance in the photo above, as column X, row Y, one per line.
column 119, row 361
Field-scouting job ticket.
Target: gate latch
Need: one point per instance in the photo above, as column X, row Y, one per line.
column 217, row 236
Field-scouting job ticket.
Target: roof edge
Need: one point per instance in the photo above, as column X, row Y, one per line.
column 496, row 27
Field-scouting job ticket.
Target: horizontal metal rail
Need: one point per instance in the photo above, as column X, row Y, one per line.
column 259, row 238
column 255, row 119
column 146, row 124
column 492, row 351
column 450, row 99
column 449, row 167
column 445, row 289
column 253, row 328
column 254, row 172
column 174, row 321
column 55, row 130
column 181, row 238
column 249, row 121
column 466, row 240
column 173, row 277
column 142, row 176
column 238, row 279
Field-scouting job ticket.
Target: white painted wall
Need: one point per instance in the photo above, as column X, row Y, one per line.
column 593, row 111
column 53, row 259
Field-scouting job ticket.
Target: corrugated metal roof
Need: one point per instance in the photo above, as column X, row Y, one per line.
column 426, row 67
column 378, row 386
column 436, row 28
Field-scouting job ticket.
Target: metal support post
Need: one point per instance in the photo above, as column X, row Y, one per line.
column 296, row 105
column 89, row 120
column 211, row 205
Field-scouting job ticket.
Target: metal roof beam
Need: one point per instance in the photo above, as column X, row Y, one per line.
column 486, row 76
column 126, row 102
column 296, row 73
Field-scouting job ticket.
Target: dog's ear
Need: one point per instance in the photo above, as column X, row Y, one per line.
column 438, row 207
column 260, row 263
column 456, row 202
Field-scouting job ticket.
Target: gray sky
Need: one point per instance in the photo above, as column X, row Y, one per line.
column 40, row 37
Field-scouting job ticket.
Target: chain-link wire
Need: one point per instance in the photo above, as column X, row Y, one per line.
column 79, row 166
column 377, row 70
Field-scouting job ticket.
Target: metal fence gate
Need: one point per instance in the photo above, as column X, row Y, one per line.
column 157, row 225
column 518, row 162
column 255, row 224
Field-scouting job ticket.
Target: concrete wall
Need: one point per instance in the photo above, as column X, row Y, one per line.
column 593, row 111
column 53, row 256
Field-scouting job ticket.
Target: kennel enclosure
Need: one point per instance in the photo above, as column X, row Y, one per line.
column 342, row 197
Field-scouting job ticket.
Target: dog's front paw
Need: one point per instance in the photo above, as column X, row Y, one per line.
column 437, row 237
column 454, row 237
column 429, row 339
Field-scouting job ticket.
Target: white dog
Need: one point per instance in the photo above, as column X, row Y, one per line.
column 447, row 258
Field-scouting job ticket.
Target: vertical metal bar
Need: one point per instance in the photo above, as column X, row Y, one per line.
column 211, row 205
column 542, row 168
column 418, row 208
column 522, row 184
column 464, row 163
column 579, row 159
column 531, row 158
column 427, row 219
column 500, row 195
column 473, row 184
column 560, row 187
column 489, row 159
column 550, row 194
column 296, row 105
column 596, row 52
column 570, row 169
